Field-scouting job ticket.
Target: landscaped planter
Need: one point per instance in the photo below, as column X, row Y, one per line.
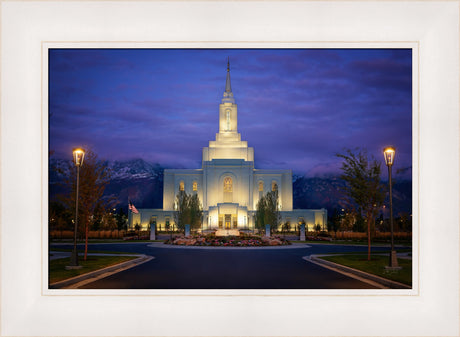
column 227, row 241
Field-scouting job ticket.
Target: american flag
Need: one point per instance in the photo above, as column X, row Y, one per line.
column 132, row 208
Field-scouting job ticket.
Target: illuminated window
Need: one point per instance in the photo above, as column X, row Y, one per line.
column 228, row 120
column 181, row 186
column 274, row 186
column 261, row 186
column 261, row 189
column 195, row 186
column 228, row 189
column 228, row 185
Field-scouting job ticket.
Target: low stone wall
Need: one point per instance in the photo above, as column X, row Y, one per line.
column 363, row 236
column 340, row 235
column 92, row 234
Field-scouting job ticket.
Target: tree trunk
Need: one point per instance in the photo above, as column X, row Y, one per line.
column 86, row 239
column 369, row 221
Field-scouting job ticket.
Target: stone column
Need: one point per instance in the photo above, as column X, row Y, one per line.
column 152, row 232
column 267, row 230
column 130, row 220
column 187, row 230
column 302, row 232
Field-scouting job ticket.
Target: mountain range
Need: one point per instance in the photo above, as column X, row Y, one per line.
column 142, row 183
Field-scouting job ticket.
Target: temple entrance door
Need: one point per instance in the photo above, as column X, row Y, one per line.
column 228, row 221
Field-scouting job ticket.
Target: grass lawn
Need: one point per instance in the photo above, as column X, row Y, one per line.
column 59, row 249
column 57, row 271
column 104, row 241
column 375, row 266
column 354, row 243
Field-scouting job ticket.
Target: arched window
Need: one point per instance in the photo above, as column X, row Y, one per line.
column 228, row 120
column 274, row 186
column 228, row 185
column 261, row 189
column 195, row 186
column 181, row 186
column 228, row 189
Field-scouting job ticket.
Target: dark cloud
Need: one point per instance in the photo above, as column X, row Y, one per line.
column 297, row 108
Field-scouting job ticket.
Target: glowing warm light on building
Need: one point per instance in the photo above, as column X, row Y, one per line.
column 228, row 185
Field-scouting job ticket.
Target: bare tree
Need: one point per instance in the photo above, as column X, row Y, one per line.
column 94, row 177
column 363, row 187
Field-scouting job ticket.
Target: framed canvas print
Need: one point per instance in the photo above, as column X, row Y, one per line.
column 118, row 107
column 196, row 163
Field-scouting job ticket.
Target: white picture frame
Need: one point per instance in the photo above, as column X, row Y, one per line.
column 430, row 27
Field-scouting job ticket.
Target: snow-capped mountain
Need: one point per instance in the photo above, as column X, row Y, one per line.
column 134, row 169
column 142, row 183
column 135, row 180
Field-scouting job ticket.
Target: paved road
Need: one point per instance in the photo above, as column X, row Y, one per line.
column 175, row 268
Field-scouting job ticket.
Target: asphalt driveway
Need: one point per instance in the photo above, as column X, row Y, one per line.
column 256, row 268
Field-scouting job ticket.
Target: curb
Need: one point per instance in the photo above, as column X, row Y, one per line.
column 74, row 282
column 344, row 269
column 292, row 246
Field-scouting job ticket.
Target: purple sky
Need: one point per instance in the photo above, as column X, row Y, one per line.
column 296, row 107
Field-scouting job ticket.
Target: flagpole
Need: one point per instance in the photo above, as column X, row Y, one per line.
column 130, row 215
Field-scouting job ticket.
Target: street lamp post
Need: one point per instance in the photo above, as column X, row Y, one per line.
column 389, row 154
column 78, row 156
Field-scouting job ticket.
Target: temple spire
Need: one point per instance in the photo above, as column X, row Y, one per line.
column 228, row 94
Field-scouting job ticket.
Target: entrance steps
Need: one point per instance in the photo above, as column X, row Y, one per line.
column 227, row 232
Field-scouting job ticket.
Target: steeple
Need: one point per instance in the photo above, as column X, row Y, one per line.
column 228, row 94
column 228, row 144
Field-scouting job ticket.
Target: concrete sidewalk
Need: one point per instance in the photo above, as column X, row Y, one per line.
column 80, row 280
column 291, row 246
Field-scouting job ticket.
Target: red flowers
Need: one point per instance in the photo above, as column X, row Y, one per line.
column 228, row 241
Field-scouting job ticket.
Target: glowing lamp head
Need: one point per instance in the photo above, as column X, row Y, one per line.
column 389, row 154
column 78, row 156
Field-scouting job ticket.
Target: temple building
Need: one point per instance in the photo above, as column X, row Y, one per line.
column 228, row 184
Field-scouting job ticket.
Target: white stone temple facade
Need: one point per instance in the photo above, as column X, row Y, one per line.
column 228, row 185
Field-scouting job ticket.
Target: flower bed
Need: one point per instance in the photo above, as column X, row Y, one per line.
column 140, row 237
column 318, row 238
column 228, row 241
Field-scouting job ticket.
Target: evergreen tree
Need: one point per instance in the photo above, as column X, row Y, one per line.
column 196, row 211
column 181, row 214
column 267, row 212
column 260, row 213
column 188, row 210
column 60, row 218
column 121, row 219
column 360, row 224
column 272, row 214
column 334, row 221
